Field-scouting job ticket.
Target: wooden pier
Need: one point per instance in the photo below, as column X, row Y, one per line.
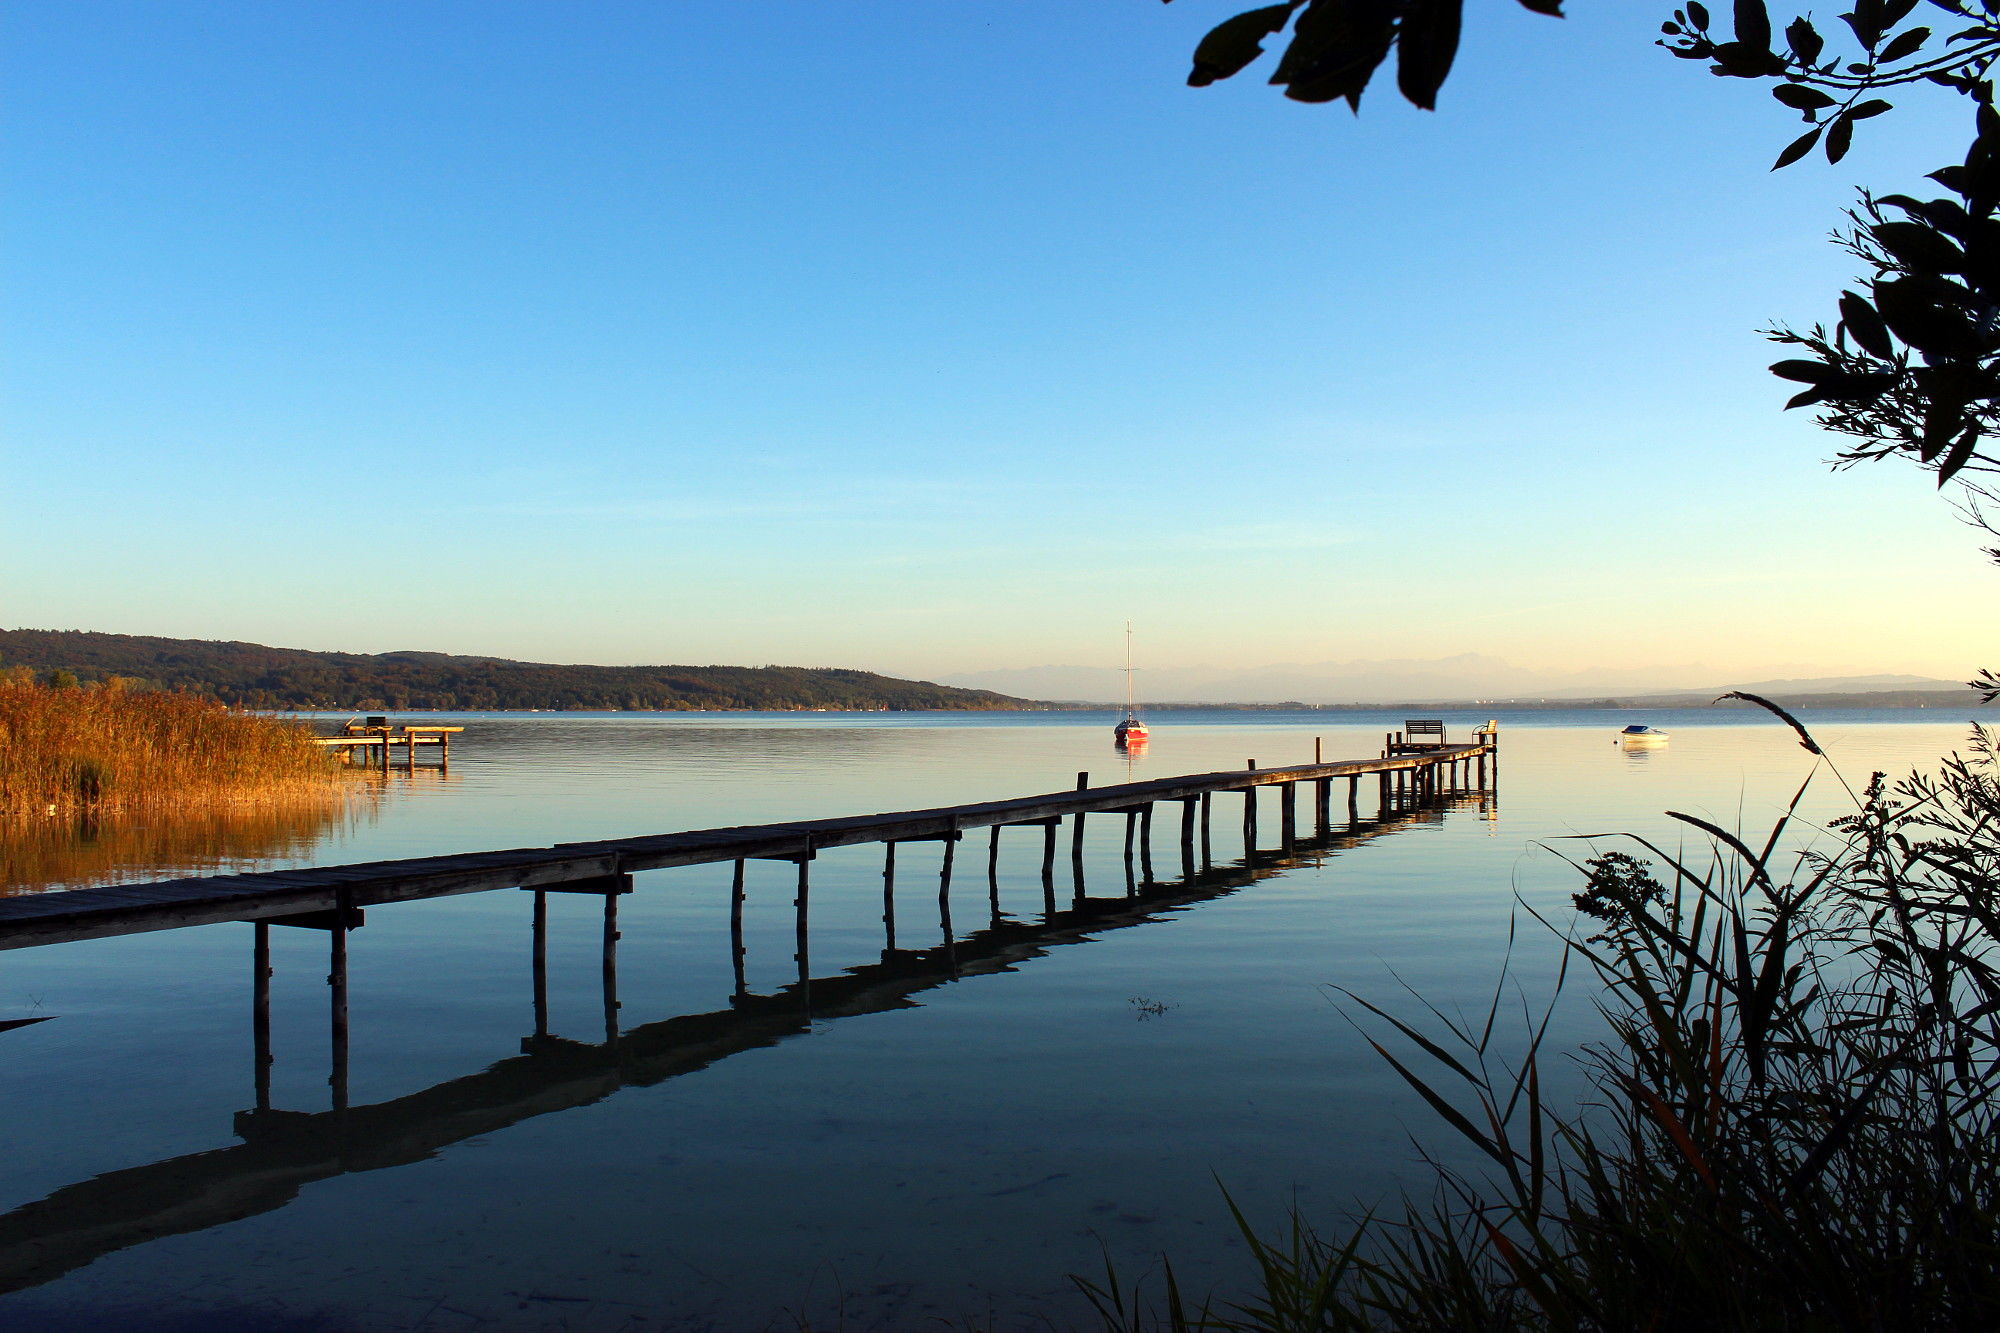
column 282, row 1151
column 335, row 897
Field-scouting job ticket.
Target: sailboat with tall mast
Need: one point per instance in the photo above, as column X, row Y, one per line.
column 1130, row 730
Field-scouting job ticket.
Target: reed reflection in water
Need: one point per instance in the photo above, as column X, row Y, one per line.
column 74, row 851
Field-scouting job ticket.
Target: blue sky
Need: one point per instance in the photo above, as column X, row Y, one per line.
column 927, row 337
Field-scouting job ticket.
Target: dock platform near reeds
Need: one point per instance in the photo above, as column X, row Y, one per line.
column 374, row 744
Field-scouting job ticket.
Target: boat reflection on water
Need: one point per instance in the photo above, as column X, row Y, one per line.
column 46, row 854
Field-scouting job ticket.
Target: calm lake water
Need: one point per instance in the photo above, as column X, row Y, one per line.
column 917, row 1146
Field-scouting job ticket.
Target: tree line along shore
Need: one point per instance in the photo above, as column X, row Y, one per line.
column 250, row 675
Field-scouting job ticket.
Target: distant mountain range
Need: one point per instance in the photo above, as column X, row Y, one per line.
column 1465, row 678
column 254, row 676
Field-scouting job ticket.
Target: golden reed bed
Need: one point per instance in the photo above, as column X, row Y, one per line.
column 99, row 780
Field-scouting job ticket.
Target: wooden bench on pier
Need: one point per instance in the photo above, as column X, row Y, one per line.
column 1421, row 735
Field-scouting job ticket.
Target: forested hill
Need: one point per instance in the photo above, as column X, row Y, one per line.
column 255, row 676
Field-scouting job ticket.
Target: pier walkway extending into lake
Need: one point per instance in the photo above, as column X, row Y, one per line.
column 334, row 897
column 282, row 1151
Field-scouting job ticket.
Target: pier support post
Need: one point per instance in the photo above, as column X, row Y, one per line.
column 1076, row 844
column 802, row 908
column 1322, row 805
column 1288, row 815
column 1049, row 867
column 1207, row 856
column 1249, row 823
column 1131, row 833
column 336, row 981
column 610, row 968
column 944, row 882
column 1354, row 799
column 736, row 929
column 1385, row 799
column 1076, row 854
column 1189, row 809
column 993, row 876
column 889, row 899
column 539, row 949
column 260, row 1013
column 1146, row 843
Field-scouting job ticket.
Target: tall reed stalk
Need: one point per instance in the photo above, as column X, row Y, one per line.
column 69, row 750
column 1792, row 1121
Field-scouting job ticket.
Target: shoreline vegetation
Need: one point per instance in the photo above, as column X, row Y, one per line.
column 251, row 675
column 1789, row 1117
column 72, row 751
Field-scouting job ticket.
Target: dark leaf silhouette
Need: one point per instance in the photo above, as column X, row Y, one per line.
column 1801, row 98
column 1235, row 42
column 1798, row 148
column 1918, row 311
column 1919, row 247
column 1905, row 44
column 1753, row 24
column 1426, row 46
column 1865, row 326
column 1337, row 45
column 1804, row 39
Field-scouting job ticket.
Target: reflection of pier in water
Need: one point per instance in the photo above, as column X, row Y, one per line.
column 283, row 1151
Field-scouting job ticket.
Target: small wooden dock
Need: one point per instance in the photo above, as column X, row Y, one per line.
column 334, row 897
column 373, row 744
